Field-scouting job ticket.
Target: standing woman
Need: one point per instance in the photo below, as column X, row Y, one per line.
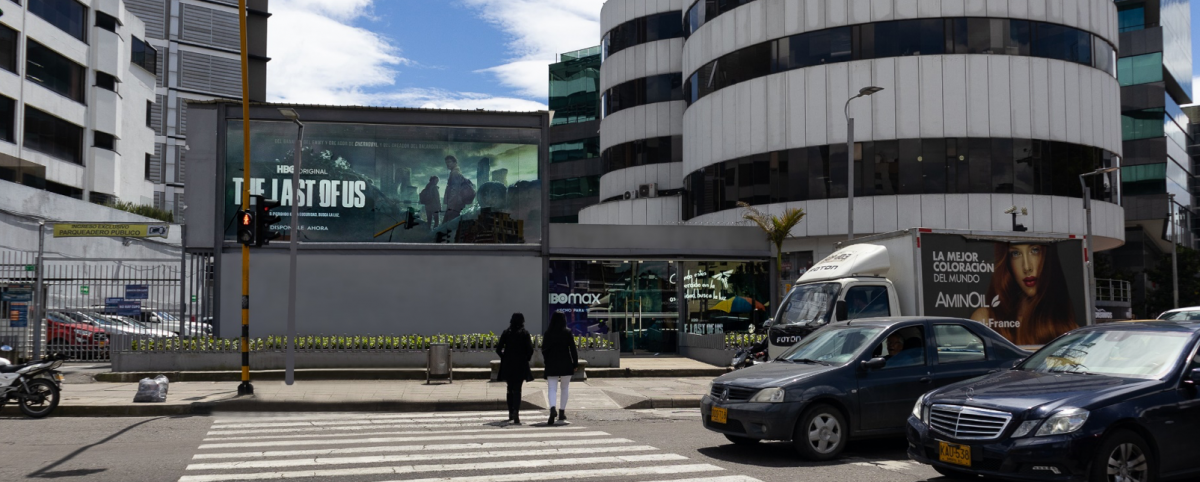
column 561, row 355
column 515, row 349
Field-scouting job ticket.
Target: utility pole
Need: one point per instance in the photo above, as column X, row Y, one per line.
column 245, row 388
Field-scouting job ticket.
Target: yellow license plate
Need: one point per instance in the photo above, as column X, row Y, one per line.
column 954, row 454
column 720, row 415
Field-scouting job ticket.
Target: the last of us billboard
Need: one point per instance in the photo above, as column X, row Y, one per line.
column 362, row 182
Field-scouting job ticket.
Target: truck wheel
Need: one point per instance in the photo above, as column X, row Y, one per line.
column 821, row 433
column 741, row 440
column 1124, row 457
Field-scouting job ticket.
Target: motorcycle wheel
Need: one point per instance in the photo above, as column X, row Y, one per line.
column 41, row 399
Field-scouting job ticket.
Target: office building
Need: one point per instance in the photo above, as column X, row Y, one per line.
column 200, row 48
column 574, row 134
column 76, row 90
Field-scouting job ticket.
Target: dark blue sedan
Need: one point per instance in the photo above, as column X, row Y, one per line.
column 1115, row 402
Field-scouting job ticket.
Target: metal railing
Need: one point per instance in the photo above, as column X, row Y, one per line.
column 1113, row 290
column 135, row 343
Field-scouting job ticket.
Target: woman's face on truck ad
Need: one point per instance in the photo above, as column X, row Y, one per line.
column 1025, row 260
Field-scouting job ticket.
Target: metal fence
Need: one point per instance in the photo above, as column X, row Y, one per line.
column 138, row 343
column 78, row 306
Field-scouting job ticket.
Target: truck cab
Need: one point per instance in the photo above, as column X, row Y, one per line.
column 850, row 284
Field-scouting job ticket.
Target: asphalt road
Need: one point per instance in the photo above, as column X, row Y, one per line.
column 600, row 445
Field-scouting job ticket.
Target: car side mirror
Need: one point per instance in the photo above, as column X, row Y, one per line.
column 840, row 311
column 873, row 364
column 1193, row 377
column 768, row 323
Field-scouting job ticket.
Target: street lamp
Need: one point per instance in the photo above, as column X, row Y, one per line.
column 1091, row 268
column 865, row 91
column 289, row 376
column 1172, row 203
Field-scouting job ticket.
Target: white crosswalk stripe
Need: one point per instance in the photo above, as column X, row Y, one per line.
column 456, row 447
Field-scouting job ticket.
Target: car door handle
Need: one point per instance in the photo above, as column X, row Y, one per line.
column 925, row 380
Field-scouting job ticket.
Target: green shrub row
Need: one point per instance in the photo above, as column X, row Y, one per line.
column 471, row 342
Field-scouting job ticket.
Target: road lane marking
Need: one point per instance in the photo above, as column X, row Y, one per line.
column 727, row 478
column 580, row 474
column 388, row 459
column 413, row 469
column 360, row 416
column 371, row 421
column 388, row 432
column 348, row 428
column 379, row 440
column 415, row 448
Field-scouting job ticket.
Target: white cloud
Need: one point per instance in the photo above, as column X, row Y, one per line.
column 309, row 42
column 539, row 30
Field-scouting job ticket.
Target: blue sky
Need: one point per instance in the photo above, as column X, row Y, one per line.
column 490, row 54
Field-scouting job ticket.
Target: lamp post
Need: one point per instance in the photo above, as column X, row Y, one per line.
column 1171, row 203
column 289, row 376
column 1091, row 265
column 865, row 91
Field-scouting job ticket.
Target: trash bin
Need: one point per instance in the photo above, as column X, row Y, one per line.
column 439, row 363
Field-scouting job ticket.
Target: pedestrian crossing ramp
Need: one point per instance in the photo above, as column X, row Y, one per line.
column 446, row 447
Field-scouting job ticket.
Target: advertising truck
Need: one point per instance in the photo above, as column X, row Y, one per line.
column 1029, row 288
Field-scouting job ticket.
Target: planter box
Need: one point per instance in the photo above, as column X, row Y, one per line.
column 275, row 360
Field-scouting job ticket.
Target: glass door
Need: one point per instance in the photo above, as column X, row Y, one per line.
column 650, row 311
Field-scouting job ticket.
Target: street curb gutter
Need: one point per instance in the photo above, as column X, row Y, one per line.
column 392, row 374
column 249, row 404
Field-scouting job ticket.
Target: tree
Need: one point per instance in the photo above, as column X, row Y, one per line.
column 1161, row 299
column 777, row 228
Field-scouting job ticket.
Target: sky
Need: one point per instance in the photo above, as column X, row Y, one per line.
column 463, row 54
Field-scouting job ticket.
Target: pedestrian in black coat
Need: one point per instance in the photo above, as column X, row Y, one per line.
column 515, row 349
column 562, row 357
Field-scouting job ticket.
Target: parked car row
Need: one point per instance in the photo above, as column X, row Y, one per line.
column 1114, row 402
column 87, row 333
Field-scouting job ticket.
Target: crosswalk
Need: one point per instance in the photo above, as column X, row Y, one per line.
column 447, row 447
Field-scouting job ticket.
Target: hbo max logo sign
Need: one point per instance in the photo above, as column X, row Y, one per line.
column 574, row 298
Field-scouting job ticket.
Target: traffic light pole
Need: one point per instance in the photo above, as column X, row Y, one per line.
column 245, row 388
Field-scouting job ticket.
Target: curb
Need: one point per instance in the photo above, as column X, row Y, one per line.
column 392, row 374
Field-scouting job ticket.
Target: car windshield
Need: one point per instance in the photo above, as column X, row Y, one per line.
column 808, row 304
column 832, row 345
column 1181, row 316
column 1117, row 353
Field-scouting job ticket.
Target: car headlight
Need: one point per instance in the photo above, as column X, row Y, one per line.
column 1025, row 428
column 768, row 395
column 916, row 412
column 1065, row 421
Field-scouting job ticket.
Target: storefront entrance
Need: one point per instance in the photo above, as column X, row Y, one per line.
column 637, row 300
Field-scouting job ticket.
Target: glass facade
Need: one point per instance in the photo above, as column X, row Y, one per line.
column 646, row 90
column 704, row 11
column 55, row 72
column 937, row 36
column 68, row 15
column 1175, row 16
column 1131, row 17
column 1140, row 69
column 643, row 152
column 575, row 87
column 576, row 150
column 725, row 296
column 53, row 136
column 575, row 187
column 906, row 166
column 1143, row 124
column 8, row 48
column 660, row 26
column 636, row 299
column 144, row 55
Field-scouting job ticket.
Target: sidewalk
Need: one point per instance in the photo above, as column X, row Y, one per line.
column 189, row 398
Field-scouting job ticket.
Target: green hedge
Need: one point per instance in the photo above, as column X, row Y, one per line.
column 477, row 341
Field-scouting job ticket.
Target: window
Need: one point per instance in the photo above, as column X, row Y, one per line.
column 1140, row 69
column 104, row 141
column 955, row 343
column 1144, row 179
column 53, row 136
column 1143, row 124
column 867, row 302
column 903, row 348
column 574, row 188
column 642, row 152
column 106, row 21
column 660, row 26
column 8, row 49
column 146, row 170
column 144, row 55
column 105, row 81
column 68, row 15
column 575, row 150
column 8, row 119
column 646, row 90
column 55, row 72
column 1131, row 18
column 1054, row 41
column 149, row 112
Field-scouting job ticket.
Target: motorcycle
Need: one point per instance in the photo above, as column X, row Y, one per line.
column 35, row 386
column 747, row 357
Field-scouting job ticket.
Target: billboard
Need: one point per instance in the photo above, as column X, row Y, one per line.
column 1028, row 291
column 360, row 183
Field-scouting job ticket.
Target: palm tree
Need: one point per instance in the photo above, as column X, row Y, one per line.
column 778, row 228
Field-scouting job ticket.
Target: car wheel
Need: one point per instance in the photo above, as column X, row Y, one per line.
column 821, row 433
column 741, row 440
column 1124, row 457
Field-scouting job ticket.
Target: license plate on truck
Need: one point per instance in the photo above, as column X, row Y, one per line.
column 954, row 454
column 719, row 415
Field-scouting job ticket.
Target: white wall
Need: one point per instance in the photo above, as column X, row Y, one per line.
column 634, row 212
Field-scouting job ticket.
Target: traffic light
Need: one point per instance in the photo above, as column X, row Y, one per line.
column 245, row 229
column 263, row 220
